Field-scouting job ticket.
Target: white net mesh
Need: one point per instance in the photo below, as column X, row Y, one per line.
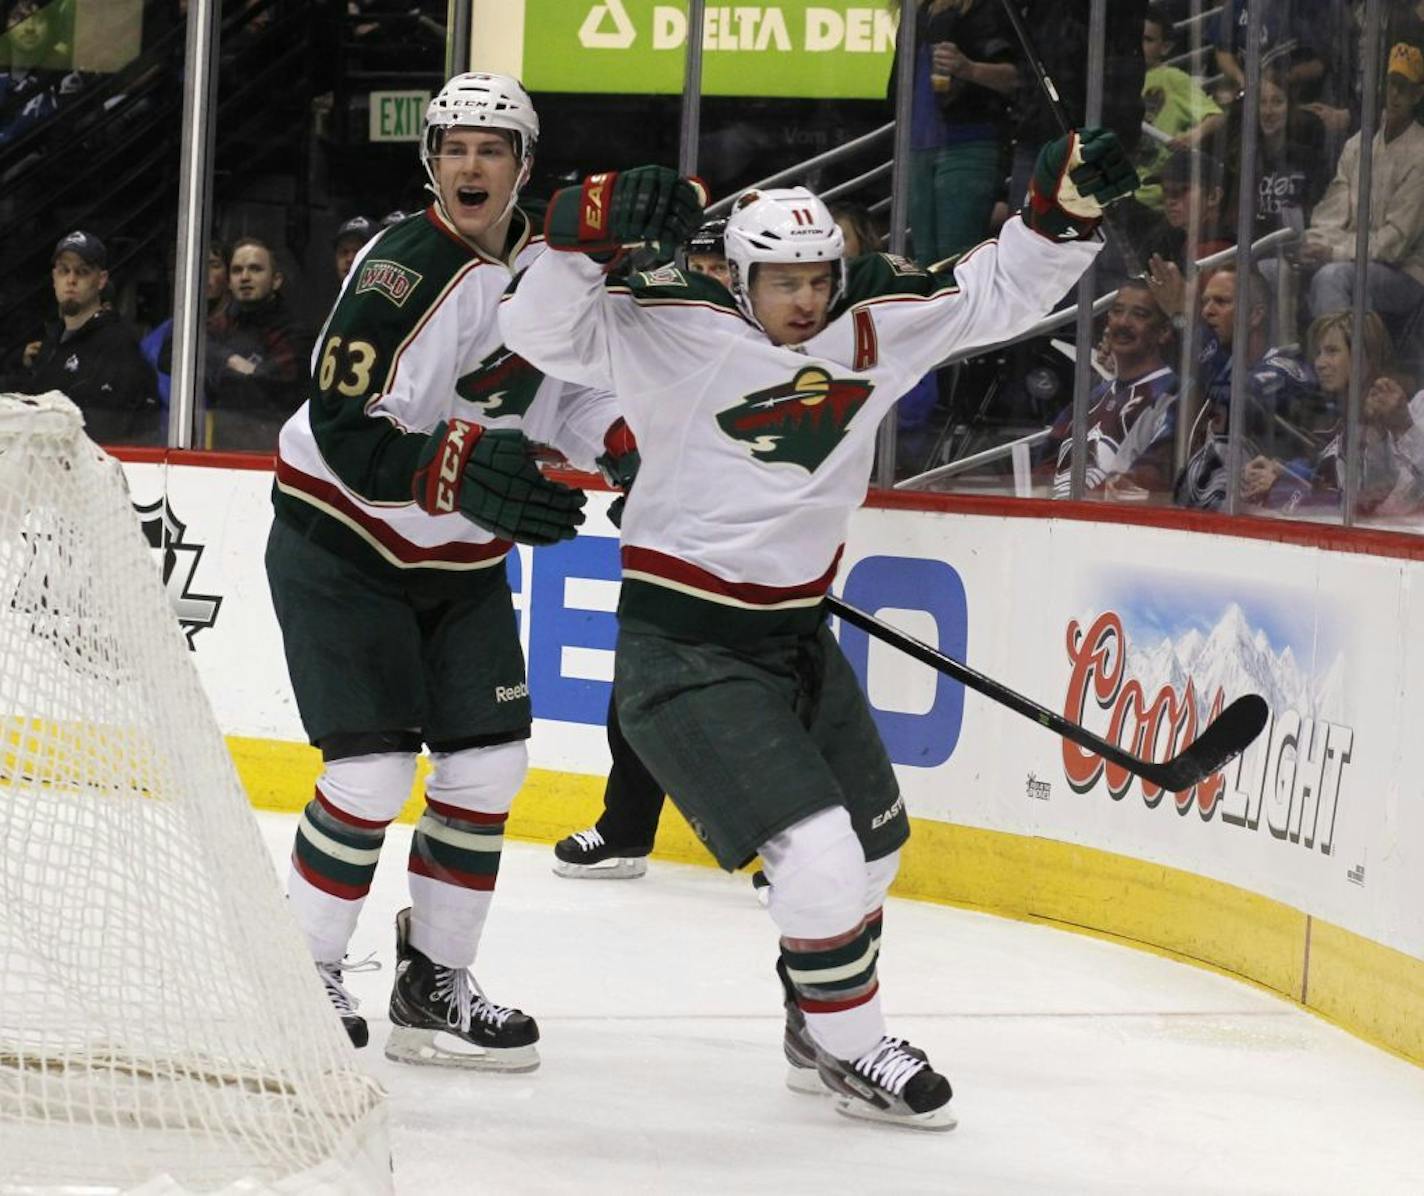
column 161, row 1023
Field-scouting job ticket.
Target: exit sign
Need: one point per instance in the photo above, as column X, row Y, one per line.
column 398, row 115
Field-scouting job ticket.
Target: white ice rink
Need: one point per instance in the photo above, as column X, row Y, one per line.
column 1079, row 1066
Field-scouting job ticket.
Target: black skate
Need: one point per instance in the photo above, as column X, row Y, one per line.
column 586, row 855
column 801, row 1073
column 892, row 1082
column 344, row 1003
column 761, row 886
column 440, row 1017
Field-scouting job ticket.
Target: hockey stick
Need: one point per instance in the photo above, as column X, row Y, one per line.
column 1065, row 126
column 1221, row 741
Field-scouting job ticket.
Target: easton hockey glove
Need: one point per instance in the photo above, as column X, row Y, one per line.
column 1074, row 178
column 622, row 209
column 619, row 465
column 489, row 476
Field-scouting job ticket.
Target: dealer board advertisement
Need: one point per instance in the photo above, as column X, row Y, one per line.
column 1112, row 630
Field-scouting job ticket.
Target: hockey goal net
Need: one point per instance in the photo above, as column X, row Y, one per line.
column 162, row 1028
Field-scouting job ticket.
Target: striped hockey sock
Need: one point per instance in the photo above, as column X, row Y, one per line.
column 837, row 989
column 333, row 860
column 454, row 861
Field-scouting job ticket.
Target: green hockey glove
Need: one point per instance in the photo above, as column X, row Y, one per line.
column 619, row 465
column 489, row 476
column 621, row 209
column 1074, row 178
column 620, row 460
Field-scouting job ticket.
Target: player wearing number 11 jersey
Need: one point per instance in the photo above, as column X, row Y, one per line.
column 756, row 408
column 401, row 486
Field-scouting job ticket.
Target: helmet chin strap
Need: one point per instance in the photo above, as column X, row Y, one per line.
column 433, row 188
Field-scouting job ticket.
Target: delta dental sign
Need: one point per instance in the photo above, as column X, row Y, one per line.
column 790, row 49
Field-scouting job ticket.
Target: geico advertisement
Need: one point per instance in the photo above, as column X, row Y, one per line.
column 1106, row 626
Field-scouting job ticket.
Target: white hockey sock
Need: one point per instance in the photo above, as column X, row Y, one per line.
column 455, row 851
column 818, row 901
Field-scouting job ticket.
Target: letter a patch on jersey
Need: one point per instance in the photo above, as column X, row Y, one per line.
column 798, row 422
column 867, row 349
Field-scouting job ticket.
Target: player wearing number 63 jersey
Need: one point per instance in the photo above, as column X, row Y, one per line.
column 401, row 485
column 755, row 408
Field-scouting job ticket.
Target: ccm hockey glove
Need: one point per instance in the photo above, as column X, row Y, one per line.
column 1074, row 178
column 623, row 209
column 619, row 465
column 489, row 476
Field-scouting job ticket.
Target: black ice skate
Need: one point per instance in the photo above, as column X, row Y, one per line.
column 892, row 1082
column 586, row 855
column 344, row 1003
column 440, row 1017
column 801, row 1073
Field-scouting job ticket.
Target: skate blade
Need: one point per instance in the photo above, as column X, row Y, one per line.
column 806, row 1080
column 935, row 1119
column 435, row 1048
column 618, row 868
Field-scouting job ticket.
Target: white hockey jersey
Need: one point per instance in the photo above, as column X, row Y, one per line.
column 414, row 339
column 754, row 455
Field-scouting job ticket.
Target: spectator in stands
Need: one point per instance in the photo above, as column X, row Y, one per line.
column 1193, row 204
column 965, row 78
column 1176, row 107
column 1276, row 384
column 157, row 346
column 90, row 353
column 1295, row 34
column 1292, row 163
column 1131, row 416
column 256, row 355
column 1061, row 31
column 1395, row 278
column 353, row 234
column 35, row 75
column 857, row 225
column 1392, row 428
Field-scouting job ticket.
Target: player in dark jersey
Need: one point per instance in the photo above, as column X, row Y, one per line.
column 401, row 486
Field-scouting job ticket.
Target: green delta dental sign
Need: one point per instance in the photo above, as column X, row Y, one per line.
column 789, row 49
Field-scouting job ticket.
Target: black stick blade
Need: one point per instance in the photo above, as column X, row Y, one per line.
column 1223, row 739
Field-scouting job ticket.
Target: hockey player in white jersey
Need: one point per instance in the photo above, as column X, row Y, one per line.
column 400, row 486
column 756, row 413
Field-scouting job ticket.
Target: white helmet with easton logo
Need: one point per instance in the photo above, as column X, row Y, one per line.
column 482, row 101
column 785, row 224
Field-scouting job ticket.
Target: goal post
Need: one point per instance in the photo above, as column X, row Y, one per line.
column 162, row 1027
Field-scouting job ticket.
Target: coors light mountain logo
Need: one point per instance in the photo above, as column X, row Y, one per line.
column 799, row 422
column 1155, row 697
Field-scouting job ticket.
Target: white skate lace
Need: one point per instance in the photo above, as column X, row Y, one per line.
column 467, row 1000
column 332, row 976
column 890, row 1064
column 589, row 839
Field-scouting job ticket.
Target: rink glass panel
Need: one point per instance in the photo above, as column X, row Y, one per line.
column 90, row 120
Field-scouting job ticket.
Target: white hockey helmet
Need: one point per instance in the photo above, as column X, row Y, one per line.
column 785, row 224
column 481, row 101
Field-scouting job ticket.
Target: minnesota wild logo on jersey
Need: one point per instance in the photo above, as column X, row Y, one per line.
column 502, row 384
column 799, row 422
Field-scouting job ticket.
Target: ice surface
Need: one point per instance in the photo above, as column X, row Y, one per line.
column 1079, row 1066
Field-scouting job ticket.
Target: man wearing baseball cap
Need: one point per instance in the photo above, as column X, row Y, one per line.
column 1395, row 280
column 347, row 243
column 90, row 353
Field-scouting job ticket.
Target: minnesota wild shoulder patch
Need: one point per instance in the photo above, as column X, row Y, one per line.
column 391, row 279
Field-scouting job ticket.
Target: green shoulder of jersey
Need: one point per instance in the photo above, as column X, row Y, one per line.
column 672, row 284
column 874, row 275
